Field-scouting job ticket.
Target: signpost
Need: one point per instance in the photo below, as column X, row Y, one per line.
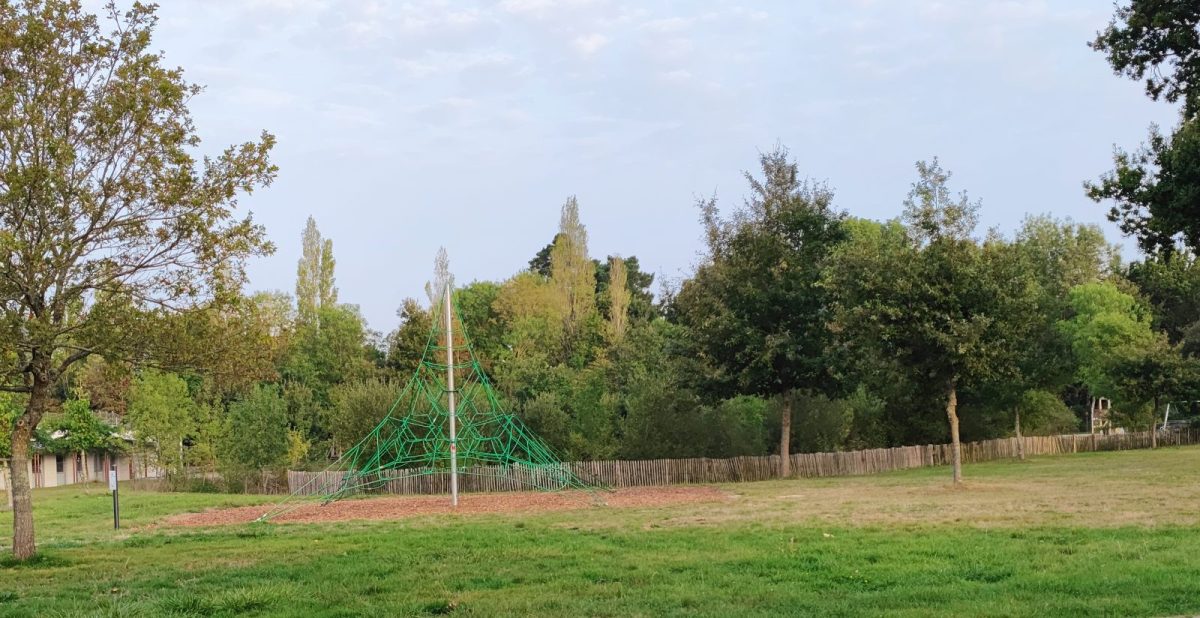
column 112, row 486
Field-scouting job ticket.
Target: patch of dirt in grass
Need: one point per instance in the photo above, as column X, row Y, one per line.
column 400, row 507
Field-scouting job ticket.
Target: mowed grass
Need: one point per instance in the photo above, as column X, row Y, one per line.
column 1089, row 534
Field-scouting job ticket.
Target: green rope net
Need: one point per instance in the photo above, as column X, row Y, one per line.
column 413, row 440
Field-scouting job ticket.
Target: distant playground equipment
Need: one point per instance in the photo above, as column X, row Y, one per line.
column 1180, row 414
column 447, row 419
column 1176, row 415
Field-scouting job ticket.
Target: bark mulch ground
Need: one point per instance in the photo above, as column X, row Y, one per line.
column 399, row 507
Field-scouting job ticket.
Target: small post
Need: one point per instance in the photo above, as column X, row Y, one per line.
column 112, row 486
column 450, row 398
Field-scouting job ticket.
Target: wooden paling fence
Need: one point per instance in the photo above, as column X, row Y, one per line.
column 750, row 468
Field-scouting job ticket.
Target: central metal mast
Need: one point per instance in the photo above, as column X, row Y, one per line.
column 450, row 393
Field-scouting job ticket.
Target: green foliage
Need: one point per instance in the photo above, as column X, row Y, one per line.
column 78, row 430
column 110, row 222
column 358, row 407
column 407, row 343
column 102, row 254
column 1154, row 189
column 547, row 418
column 1171, row 284
column 314, row 274
column 1158, row 40
column 1044, row 413
column 11, row 405
column 929, row 307
column 481, row 320
column 256, row 432
column 754, row 309
column 737, row 426
column 572, row 274
column 329, row 351
column 932, row 213
column 1107, row 325
column 819, row 424
column 664, row 421
column 162, row 414
column 637, row 284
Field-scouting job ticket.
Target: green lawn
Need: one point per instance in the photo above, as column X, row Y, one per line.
column 1111, row 533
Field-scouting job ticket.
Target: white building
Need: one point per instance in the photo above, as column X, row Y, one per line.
column 49, row 470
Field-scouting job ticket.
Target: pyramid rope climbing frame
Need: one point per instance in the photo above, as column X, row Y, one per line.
column 446, row 419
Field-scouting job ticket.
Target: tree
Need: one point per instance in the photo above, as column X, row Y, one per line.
column 360, row 406
column 1171, row 284
column 618, row 299
column 637, row 283
column 1034, row 357
column 572, row 273
column 329, row 351
column 105, row 384
column 161, row 414
column 256, row 440
column 1155, row 188
column 441, row 277
column 406, row 344
column 314, row 274
column 1121, row 357
column 1147, row 36
column 923, row 297
column 107, row 221
column 78, row 430
column 1106, row 325
column 754, row 307
column 481, row 321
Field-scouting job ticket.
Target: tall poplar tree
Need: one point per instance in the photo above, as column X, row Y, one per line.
column 315, row 288
column 572, row 272
column 618, row 299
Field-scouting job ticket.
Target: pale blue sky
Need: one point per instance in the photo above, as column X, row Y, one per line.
column 403, row 126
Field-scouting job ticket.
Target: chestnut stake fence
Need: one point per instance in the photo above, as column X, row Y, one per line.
column 645, row 472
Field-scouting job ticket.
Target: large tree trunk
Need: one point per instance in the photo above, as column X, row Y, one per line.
column 955, row 446
column 1020, row 440
column 23, row 546
column 785, row 437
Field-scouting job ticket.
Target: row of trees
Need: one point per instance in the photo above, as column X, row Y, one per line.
column 121, row 302
column 803, row 329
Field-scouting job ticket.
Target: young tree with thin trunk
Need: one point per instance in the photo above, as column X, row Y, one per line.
column 108, row 224
column 924, row 295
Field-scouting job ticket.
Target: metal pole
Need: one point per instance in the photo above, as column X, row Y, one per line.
column 450, row 394
column 112, row 485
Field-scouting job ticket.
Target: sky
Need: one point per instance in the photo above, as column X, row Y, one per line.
column 406, row 126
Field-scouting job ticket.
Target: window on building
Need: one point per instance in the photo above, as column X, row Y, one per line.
column 59, row 464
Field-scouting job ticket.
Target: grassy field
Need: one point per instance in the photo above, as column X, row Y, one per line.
column 1088, row 534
